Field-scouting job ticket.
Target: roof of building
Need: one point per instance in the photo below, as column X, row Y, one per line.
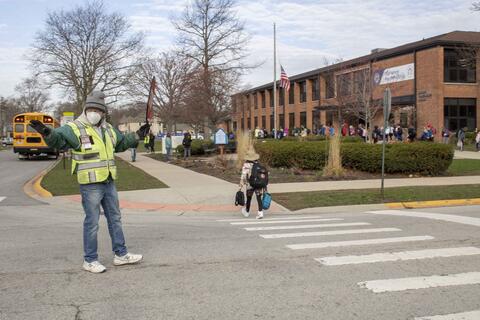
column 452, row 38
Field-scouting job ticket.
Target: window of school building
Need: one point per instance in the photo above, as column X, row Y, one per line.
column 270, row 94
column 291, row 93
column 460, row 113
column 271, row 122
column 255, row 120
column 303, row 91
column 264, row 122
column 255, row 98
column 315, row 89
column 263, row 99
column 303, row 119
column 281, row 121
column 459, row 66
column 291, row 120
column 249, row 124
column 329, row 86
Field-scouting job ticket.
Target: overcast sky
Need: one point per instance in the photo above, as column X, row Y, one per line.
column 307, row 30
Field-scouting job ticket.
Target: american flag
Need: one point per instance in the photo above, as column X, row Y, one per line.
column 284, row 82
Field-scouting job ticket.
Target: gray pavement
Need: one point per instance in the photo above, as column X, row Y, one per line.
column 197, row 267
column 14, row 174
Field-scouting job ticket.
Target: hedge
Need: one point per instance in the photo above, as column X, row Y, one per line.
column 419, row 157
column 198, row 147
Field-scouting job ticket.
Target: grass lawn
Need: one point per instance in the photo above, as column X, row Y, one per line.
column 60, row 182
column 464, row 167
column 158, row 146
column 301, row 200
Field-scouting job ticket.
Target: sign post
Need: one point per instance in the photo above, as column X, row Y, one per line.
column 387, row 106
column 220, row 139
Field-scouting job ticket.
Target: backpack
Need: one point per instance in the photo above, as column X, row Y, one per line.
column 259, row 177
column 239, row 198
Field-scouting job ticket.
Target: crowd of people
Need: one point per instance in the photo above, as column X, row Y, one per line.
column 393, row 133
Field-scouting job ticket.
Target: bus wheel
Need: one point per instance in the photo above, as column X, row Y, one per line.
column 21, row 157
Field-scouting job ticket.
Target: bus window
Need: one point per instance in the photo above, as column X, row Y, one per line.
column 19, row 127
column 30, row 129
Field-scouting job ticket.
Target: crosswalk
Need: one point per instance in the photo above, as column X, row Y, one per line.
column 2, row 198
column 317, row 228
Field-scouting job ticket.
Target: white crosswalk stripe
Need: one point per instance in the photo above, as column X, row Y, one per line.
column 363, row 242
column 309, row 226
column 470, row 315
column 2, row 198
column 269, row 219
column 281, row 221
column 327, row 233
column 399, row 256
column 434, row 216
column 402, row 284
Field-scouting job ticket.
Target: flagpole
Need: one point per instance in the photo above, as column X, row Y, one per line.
column 275, row 80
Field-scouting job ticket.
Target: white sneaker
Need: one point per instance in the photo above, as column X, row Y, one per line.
column 260, row 215
column 245, row 212
column 129, row 258
column 94, row 267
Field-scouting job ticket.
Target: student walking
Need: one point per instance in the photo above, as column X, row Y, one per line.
column 461, row 139
column 146, row 143
column 151, row 142
column 255, row 177
column 94, row 142
column 477, row 141
column 168, row 146
column 187, row 145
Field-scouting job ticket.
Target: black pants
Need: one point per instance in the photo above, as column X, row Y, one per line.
column 258, row 194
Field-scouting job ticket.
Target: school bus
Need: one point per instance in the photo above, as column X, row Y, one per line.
column 26, row 141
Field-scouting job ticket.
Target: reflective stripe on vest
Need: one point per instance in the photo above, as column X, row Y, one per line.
column 86, row 156
column 93, row 165
column 93, row 161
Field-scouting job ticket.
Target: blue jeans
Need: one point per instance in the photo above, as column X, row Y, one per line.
column 94, row 195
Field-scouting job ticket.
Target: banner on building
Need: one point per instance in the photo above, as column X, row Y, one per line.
column 394, row 74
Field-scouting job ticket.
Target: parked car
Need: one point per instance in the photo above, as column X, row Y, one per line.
column 7, row 141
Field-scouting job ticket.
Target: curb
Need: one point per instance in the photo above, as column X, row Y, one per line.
column 392, row 205
column 433, row 203
column 33, row 187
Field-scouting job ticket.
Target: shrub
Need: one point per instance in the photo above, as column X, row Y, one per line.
column 304, row 155
column 419, row 157
column 198, row 147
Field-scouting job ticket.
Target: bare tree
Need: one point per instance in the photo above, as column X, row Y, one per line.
column 31, row 95
column 211, row 35
column 84, row 49
column 173, row 74
column 361, row 104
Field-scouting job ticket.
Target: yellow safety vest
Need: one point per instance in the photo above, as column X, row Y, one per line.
column 93, row 162
column 146, row 140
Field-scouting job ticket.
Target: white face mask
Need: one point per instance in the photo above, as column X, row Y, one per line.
column 93, row 117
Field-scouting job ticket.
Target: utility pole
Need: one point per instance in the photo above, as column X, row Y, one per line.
column 275, row 80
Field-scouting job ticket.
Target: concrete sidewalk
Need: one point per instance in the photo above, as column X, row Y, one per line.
column 190, row 191
column 467, row 155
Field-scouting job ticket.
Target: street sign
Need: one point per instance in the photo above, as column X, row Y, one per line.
column 387, row 107
column 67, row 117
column 387, row 103
column 220, row 137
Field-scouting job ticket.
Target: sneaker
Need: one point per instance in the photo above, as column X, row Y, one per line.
column 94, row 267
column 260, row 215
column 129, row 258
column 245, row 213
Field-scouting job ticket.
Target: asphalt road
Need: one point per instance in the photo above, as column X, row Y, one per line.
column 196, row 267
column 14, row 173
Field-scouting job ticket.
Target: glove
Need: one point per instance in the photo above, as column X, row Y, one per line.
column 40, row 127
column 143, row 131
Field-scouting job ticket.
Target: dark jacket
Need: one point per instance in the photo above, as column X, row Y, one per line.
column 187, row 141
